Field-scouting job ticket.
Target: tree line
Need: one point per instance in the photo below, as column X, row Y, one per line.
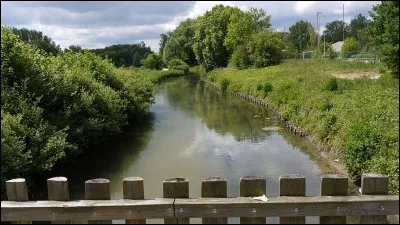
column 120, row 54
column 227, row 36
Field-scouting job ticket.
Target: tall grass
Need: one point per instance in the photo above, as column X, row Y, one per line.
column 357, row 120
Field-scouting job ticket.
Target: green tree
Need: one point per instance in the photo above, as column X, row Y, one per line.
column 179, row 43
column 384, row 33
column 74, row 48
column 243, row 24
column 184, row 34
column 265, row 48
column 300, row 35
column 163, row 41
column 358, row 23
column 334, row 31
column 208, row 41
column 124, row 54
column 37, row 39
column 172, row 50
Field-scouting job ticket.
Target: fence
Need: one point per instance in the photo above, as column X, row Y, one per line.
column 349, row 56
column 333, row 204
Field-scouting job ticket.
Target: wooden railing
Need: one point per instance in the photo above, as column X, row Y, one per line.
column 333, row 205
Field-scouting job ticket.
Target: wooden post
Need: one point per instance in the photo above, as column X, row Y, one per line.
column 374, row 184
column 252, row 186
column 17, row 191
column 292, row 185
column 176, row 188
column 57, row 190
column 214, row 187
column 133, row 189
column 98, row 189
column 333, row 185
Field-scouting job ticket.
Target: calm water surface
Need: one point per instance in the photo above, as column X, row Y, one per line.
column 195, row 133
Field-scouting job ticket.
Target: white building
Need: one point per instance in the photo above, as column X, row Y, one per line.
column 337, row 46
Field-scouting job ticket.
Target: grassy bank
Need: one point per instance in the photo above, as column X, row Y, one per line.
column 157, row 75
column 356, row 120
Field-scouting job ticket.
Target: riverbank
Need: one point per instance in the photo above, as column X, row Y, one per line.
column 353, row 122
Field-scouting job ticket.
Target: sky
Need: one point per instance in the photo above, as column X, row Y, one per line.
column 97, row 24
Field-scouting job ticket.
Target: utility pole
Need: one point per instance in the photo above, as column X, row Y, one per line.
column 318, row 33
column 324, row 46
column 343, row 23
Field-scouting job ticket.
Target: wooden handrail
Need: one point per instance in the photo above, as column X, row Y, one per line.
column 199, row 207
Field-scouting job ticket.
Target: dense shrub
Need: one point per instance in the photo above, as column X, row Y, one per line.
column 177, row 64
column 240, row 58
column 349, row 46
column 55, row 107
column 331, row 84
column 362, row 144
column 267, row 87
column 153, row 62
column 265, row 49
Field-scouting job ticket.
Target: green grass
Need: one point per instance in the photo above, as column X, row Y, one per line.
column 157, row 75
column 357, row 120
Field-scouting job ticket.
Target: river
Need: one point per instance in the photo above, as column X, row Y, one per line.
column 195, row 132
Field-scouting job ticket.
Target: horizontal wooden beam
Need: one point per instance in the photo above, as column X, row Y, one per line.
column 87, row 210
column 288, row 206
column 200, row 207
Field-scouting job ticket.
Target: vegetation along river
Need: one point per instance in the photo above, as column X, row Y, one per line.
column 195, row 132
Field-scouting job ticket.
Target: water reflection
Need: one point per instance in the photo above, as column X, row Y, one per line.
column 196, row 133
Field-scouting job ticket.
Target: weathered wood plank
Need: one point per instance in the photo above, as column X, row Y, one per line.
column 83, row 210
column 252, row 186
column 292, row 185
column 133, row 188
column 176, row 188
column 192, row 208
column 57, row 190
column 214, row 187
column 333, row 185
column 374, row 184
column 286, row 206
column 17, row 191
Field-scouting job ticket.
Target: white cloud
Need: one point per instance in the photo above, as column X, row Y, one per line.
column 301, row 6
column 103, row 24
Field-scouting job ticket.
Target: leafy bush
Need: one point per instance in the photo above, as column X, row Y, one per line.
column 362, row 144
column 55, row 107
column 265, row 49
column 240, row 58
column 153, row 62
column 331, row 84
column 268, row 87
column 224, row 84
column 177, row 64
column 349, row 45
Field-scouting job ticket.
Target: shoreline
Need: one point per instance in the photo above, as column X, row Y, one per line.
column 321, row 152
